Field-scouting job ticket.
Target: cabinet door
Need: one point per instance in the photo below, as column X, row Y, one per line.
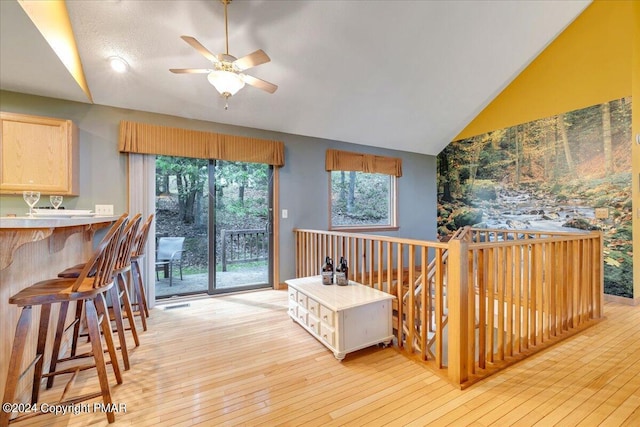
column 38, row 153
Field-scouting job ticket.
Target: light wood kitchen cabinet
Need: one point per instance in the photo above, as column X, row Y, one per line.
column 39, row 154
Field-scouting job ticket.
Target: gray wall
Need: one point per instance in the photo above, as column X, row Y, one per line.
column 303, row 180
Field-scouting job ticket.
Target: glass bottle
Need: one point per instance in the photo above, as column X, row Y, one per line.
column 327, row 271
column 342, row 272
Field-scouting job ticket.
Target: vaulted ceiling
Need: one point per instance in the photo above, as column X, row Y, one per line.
column 407, row 75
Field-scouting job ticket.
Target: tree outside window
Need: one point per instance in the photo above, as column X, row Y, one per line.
column 362, row 200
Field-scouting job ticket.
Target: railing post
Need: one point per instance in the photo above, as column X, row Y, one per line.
column 599, row 273
column 223, row 236
column 458, row 325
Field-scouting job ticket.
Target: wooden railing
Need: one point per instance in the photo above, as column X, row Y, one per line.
column 481, row 301
column 244, row 246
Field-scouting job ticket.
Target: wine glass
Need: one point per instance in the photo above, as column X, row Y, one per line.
column 31, row 198
column 56, row 201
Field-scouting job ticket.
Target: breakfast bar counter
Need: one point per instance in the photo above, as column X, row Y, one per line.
column 35, row 249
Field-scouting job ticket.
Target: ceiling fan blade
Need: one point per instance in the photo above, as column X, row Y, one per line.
column 203, row 50
column 190, row 70
column 260, row 84
column 253, row 59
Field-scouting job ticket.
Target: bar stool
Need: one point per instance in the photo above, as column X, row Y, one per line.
column 118, row 295
column 137, row 255
column 87, row 288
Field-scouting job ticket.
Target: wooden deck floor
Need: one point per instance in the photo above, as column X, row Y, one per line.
column 239, row 360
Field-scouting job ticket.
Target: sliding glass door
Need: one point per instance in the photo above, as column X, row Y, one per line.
column 217, row 215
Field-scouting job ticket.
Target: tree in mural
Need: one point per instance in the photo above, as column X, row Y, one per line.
column 606, row 138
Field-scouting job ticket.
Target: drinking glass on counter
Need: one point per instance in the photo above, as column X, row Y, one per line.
column 31, row 198
column 56, row 201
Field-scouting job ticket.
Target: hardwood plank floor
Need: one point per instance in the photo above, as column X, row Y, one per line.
column 239, row 360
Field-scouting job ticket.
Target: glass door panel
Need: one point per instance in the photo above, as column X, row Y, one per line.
column 182, row 226
column 242, row 223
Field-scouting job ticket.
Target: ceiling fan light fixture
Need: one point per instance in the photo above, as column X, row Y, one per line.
column 227, row 83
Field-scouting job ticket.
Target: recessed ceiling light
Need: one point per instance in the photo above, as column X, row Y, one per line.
column 118, row 64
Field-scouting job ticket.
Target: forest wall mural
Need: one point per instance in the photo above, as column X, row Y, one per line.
column 549, row 174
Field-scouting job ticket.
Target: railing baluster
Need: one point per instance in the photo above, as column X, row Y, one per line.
column 471, row 311
column 500, row 301
column 379, row 269
column 517, row 298
column 425, row 296
column 508, row 290
column 482, row 307
column 410, row 316
column 490, row 303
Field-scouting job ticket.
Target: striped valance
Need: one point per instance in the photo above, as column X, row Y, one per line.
column 168, row 141
column 337, row 160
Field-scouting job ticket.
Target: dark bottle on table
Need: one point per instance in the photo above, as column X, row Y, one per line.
column 327, row 271
column 342, row 273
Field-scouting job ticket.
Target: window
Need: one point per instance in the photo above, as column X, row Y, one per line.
column 362, row 200
column 362, row 190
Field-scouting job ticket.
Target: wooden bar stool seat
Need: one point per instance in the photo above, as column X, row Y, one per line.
column 71, row 272
column 88, row 289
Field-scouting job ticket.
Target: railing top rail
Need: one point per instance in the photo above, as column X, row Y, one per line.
column 257, row 230
column 537, row 240
column 423, row 243
column 531, row 231
column 462, row 233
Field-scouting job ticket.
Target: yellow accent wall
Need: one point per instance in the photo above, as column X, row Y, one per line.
column 589, row 63
column 596, row 59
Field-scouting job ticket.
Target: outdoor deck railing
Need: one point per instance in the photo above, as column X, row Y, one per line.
column 244, row 246
column 479, row 302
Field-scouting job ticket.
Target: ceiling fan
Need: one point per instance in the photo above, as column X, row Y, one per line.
column 227, row 73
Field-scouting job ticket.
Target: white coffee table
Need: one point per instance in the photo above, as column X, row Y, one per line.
column 343, row 318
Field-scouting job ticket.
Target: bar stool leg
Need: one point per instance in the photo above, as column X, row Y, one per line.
column 117, row 314
column 101, row 307
column 123, row 286
column 15, row 361
column 45, row 312
column 76, row 327
column 96, row 345
column 55, row 354
column 138, row 288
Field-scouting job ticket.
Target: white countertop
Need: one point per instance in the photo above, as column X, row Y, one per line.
column 25, row 222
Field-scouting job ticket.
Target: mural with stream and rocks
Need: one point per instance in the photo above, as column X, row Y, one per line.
column 551, row 175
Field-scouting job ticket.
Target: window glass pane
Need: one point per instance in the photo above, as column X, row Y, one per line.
column 361, row 199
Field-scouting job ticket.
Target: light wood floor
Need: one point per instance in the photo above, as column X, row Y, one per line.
column 239, row 360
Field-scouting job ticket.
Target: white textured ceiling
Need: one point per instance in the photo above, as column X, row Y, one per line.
column 407, row 75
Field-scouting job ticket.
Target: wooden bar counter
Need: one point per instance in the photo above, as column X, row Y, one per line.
column 34, row 249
